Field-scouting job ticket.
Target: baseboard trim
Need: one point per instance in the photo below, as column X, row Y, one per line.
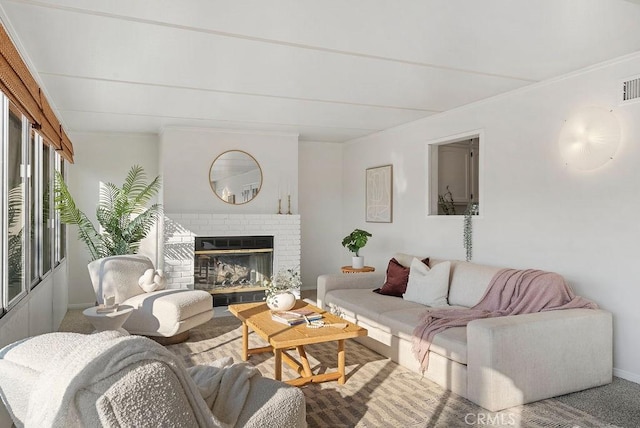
column 80, row 305
column 633, row 377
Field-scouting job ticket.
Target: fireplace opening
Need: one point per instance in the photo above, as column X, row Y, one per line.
column 233, row 268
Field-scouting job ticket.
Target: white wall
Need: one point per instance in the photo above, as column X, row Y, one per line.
column 41, row 311
column 535, row 211
column 320, row 179
column 107, row 158
column 186, row 157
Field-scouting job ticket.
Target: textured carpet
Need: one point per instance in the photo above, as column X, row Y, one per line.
column 378, row 392
column 617, row 403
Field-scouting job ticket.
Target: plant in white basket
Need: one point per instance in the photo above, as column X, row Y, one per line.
column 278, row 290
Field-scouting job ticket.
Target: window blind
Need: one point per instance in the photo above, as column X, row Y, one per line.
column 21, row 88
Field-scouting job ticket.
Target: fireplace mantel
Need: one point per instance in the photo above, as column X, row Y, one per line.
column 181, row 229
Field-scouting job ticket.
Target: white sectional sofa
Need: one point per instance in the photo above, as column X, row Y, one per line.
column 495, row 362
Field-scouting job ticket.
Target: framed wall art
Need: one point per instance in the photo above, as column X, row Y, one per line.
column 379, row 198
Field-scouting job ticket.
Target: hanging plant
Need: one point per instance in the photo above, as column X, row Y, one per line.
column 472, row 209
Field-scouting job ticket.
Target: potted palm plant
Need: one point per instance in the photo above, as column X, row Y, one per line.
column 354, row 242
column 122, row 214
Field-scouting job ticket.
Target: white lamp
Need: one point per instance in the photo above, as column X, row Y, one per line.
column 589, row 138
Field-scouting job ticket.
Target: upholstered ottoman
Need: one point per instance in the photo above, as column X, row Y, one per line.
column 168, row 313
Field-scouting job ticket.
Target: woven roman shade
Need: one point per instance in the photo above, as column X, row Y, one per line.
column 17, row 83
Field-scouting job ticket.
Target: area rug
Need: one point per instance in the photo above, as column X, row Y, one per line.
column 378, row 392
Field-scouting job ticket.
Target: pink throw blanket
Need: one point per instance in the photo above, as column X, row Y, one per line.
column 510, row 292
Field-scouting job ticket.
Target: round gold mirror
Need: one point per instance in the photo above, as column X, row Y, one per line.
column 235, row 177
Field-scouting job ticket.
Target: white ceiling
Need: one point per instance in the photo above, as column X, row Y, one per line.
column 330, row 70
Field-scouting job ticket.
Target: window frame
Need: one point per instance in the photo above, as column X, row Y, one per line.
column 34, row 204
column 4, row 189
column 36, row 168
column 57, row 230
column 46, row 223
column 7, row 304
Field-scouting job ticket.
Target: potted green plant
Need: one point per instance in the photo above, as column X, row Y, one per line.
column 122, row 214
column 354, row 242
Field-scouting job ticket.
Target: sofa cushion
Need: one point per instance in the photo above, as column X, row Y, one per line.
column 450, row 343
column 406, row 259
column 468, row 282
column 362, row 302
column 428, row 286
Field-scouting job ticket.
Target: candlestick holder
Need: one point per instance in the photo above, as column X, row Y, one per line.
column 289, row 200
column 279, row 206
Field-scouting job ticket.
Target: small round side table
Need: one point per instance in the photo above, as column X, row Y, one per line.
column 349, row 269
column 110, row 320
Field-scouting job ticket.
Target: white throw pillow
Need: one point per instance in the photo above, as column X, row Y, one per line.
column 428, row 286
column 152, row 280
column 160, row 280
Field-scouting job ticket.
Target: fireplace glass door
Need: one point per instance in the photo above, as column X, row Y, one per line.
column 227, row 264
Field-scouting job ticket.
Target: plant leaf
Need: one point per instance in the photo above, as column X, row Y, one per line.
column 70, row 214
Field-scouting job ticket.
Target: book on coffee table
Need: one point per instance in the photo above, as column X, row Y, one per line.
column 295, row 316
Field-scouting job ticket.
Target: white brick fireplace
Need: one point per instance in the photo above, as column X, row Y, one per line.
column 180, row 230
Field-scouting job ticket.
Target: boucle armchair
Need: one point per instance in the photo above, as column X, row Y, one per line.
column 165, row 314
column 114, row 379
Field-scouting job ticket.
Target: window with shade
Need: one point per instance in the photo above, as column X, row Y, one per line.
column 32, row 236
column 32, row 145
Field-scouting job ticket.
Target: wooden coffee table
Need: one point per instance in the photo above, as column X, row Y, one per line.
column 282, row 338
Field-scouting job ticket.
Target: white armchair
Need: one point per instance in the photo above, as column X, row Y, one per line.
column 113, row 379
column 165, row 313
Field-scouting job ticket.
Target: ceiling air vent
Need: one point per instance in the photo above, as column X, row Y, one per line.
column 631, row 90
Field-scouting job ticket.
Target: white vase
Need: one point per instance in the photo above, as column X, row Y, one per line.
column 281, row 301
column 357, row 262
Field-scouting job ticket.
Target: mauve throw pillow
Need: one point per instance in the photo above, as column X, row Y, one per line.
column 397, row 278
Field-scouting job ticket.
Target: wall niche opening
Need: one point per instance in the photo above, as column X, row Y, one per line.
column 454, row 174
